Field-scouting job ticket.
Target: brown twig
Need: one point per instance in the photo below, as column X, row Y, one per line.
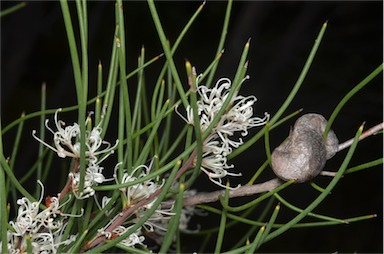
column 248, row 190
column 68, row 186
column 66, row 189
column 128, row 211
column 242, row 191
column 372, row 131
column 201, row 198
column 119, row 220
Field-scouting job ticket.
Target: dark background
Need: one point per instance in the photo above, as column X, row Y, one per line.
column 34, row 50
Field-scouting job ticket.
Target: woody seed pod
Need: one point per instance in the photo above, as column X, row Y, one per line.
column 303, row 155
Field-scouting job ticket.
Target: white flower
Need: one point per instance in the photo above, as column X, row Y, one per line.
column 137, row 192
column 238, row 117
column 130, row 241
column 67, row 143
column 26, row 218
column 93, row 176
column 134, row 194
column 215, row 167
column 104, row 201
column 93, row 142
column 45, row 228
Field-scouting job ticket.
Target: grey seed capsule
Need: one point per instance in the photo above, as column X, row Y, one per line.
column 303, row 155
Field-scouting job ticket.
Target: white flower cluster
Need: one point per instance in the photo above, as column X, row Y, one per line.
column 156, row 224
column 67, row 144
column 44, row 229
column 132, row 240
column 135, row 193
column 132, row 195
column 238, row 117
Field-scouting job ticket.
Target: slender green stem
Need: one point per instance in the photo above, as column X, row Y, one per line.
column 228, row 225
column 188, row 142
column 174, row 222
column 3, row 199
column 242, row 66
column 91, row 101
column 166, row 134
column 79, row 242
column 144, row 103
column 349, row 95
column 290, row 97
column 269, row 225
column 68, row 229
column 83, row 23
column 196, row 120
column 72, row 48
column 131, row 250
column 33, row 169
column 206, row 242
column 145, row 151
column 262, row 216
column 127, row 107
column 111, row 84
column 167, row 52
column 316, row 187
column 42, row 130
column 121, row 24
column 146, row 216
column 260, row 223
column 154, row 98
column 256, row 241
column 238, row 250
column 152, row 175
column 364, row 166
column 13, row 179
column 284, row 119
column 140, row 84
column 173, row 50
column 98, row 217
column 314, row 215
column 257, row 200
column 223, row 36
column 13, row 160
column 267, row 145
column 29, row 244
column 235, row 87
column 80, row 78
column 160, row 99
column 302, row 76
column 120, row 133
column 13, row 9
column 258, row 172
column 174, row 145
column 98, row 105
column 138, row 108
column 88, row 212
column 16, row 144
column 223, row 222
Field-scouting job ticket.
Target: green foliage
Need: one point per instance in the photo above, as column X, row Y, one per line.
column 145, row 134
